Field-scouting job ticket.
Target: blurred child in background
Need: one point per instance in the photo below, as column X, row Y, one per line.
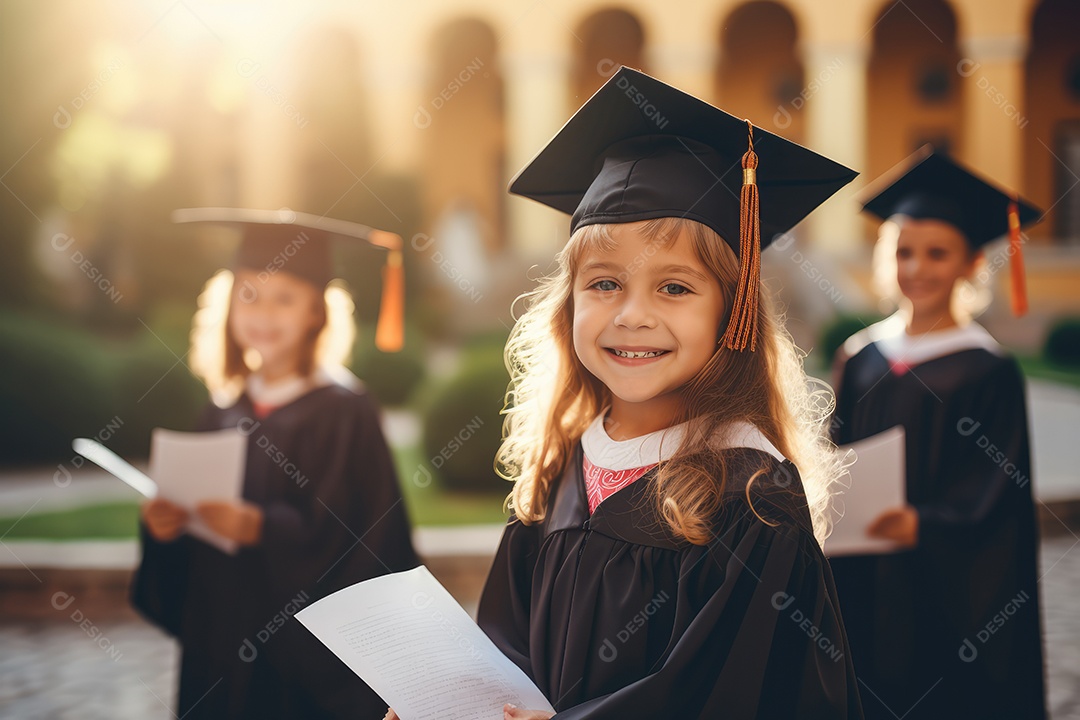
column 949, row 627
column 321, row 508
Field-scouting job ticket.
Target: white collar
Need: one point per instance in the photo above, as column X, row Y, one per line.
column 659, row 446
column 891, row 337
column 637, row 452
column 284, row 391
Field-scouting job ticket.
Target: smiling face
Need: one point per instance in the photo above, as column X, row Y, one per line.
column 646, row 320
column 931, row 256
column 276, row 316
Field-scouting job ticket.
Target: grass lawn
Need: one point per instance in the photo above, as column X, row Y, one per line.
column 118, row 520
column 1037, row 367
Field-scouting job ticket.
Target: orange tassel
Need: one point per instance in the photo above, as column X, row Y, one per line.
column 1016, row 263
column 390, row 330
column 742, row 327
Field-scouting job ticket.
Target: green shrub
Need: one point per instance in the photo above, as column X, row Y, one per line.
column 59, row 382
column 1063, row 343
column 390, row 377
column 463, row 425
column 835, row 333
column 151, row 388
column 53, row 386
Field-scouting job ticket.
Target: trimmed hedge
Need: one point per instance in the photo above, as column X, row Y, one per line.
column 390, row 377
column 1063, row 343
column 462, row 424
column 58, row 382
column 835, row 333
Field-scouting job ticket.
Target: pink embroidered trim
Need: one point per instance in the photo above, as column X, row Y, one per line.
column 601, row 483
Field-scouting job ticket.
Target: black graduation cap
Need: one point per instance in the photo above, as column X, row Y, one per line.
column 929, row 185
column 300, row 244
column 640, row 149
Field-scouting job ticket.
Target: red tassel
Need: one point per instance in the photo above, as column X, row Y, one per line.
column 742, row 327
column 1016, row 263
column 390, row 328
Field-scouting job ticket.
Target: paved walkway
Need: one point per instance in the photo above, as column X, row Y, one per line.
column 54, row 669
column 81, row 668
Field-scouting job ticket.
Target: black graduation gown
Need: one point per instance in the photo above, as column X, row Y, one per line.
column 613, row 618
column 951, row 628
column 333, row 515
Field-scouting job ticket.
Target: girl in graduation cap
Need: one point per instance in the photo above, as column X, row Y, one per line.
column 950, row 627
column 670, row 465
column 320, row 509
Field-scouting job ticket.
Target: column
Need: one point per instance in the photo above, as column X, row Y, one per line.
column 835, row 109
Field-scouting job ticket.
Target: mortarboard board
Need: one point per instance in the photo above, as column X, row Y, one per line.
column 299, row 243
column 640, row 149
column 929, row 185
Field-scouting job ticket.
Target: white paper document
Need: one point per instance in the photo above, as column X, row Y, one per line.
column 185, row 468
column 407, row 638
column 108, row 460
column 877, row 484
column 192, row 467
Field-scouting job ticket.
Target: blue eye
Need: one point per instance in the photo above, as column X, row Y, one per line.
column 605, row 285
column 675, row 289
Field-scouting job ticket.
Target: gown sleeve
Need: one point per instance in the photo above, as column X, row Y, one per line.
column 159, row 586
column 504, row 607
column 769, row 642
column 988, row 458
column 347, row 522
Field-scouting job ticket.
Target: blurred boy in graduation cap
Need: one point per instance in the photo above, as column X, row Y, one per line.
column 659, row 407
column 270, row 339
column 918, row 620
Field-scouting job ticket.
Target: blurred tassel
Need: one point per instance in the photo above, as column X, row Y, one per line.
column 742, row 328
column 390, row 330
column 1016, row 263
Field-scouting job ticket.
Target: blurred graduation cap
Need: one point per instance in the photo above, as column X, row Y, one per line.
column 640, row 149
column 299, row 243
column 929, row 185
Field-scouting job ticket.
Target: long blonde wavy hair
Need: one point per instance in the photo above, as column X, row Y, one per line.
column 552, row 398
column 219, row 361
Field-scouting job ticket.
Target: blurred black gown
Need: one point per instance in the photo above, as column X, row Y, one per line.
column 333, row 516
column 951, row 628
column 613, row 618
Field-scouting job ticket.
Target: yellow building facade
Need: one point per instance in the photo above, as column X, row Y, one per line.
column 462, row 95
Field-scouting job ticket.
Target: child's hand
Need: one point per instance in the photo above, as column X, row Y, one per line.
column 236, row 520
column 165, row 520
column 390, row 715
column 511, row 712
column 898, row 524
